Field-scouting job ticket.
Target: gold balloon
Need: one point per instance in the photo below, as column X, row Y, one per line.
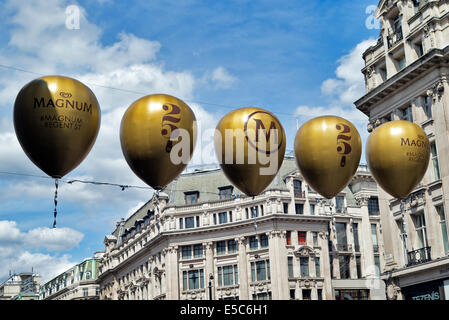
column 56, row 120
column 257, row 151
column 328, row 151
column 148, row 138
column 398, row 154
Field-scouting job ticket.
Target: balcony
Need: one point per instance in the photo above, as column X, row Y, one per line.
column 300, row 194
column 418, row 256
column 394, row 38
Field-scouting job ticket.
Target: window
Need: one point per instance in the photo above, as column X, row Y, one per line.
column 377, row 264
column 355, row 232
column 186, row 252
column 383, row 73
column 420, row 225
column 428, row 106
column 297, row 188
column 304, row 266
column 317, row 267
column 434, row 155
column 320, row 294
column 262, row 296
column 373, row 206
column 253, row 243
column 288, row 237
column 193, row 279
column 342, row 242
column 181, row 223
column 315, row 239
column 215, row 218
column 198, row 250
column 290, row 267
column 263, row 241
column 306, row 294
column 401, row 63
column 344, row 267
column 232, row 246
column 374, row 237
column 230, row 216
column 299, row 208
column 190, row 223
column 260, row 270
column 292, row 294
column 85, row 292
column 339, row 204
column 351, row 294
column 191, row 197
column 419, row 49
column 225, row 193
column 302, row 238
column 221, row 247
column 197, row 221
column 285, row 205
column 254, row 212
column 223, row 217
column 228, row 275
column 403, row 237
column 312, row 209
column 442, row 216
column 247, row 213
column 407, row 114
column 358, row 264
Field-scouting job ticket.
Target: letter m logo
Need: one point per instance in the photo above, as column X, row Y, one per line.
column 260, row 126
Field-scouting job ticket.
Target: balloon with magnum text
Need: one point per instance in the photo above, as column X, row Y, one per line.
column 250, row 145
column 328, row 151
column 158, row 136
column 398, row 154
column 56, row 120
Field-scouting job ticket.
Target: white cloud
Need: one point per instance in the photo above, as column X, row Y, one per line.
column 349, row 84
column 132, row 210
column 16, row 249
column 221, row 78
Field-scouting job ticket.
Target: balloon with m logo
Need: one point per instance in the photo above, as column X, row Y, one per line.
column 328, row 151
column 250, row 145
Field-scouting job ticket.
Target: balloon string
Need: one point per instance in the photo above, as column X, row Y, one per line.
column 56, row 202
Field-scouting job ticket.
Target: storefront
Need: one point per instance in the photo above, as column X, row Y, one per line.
column 434, row 290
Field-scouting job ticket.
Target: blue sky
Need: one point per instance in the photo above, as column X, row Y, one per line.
column 298, row 58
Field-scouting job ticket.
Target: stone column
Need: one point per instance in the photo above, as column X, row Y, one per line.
column 243, row 269
column 171, row 267
column 278, row 265
column 325, row 266
column 366, row 240
column 209, row 246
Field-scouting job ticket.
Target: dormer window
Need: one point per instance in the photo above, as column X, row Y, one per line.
column 191, row 197
column 225, row 193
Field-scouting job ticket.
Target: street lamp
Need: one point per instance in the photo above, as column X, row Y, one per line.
column 211, row 277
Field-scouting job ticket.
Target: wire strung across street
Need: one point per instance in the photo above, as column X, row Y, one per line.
column 295, row 115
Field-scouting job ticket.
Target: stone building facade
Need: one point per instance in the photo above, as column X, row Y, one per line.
column 203, row 239
column 77, row 283
column 406, row 76
column 21, row 286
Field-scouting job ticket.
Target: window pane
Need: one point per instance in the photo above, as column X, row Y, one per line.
column 304, row 266
column 190, row 223
column 223, row 217
column 261, row 271
column 339, row 204
column 312, row 209
column 317, row 267
column 221, row 247
column 232, row 246
column 198, row 250
column 186, row 252
column 263, row 241
column 253, row 243
column 299, row 208
column 290, row 267
column 341, row 233
column 302, row 236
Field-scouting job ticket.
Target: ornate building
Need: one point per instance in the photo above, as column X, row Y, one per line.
column 77, row 283
column 203, row 239
column 406, row 78
column 22, row 286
